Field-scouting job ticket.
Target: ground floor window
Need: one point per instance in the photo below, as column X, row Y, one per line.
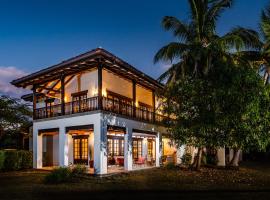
column 150, row 148
column 115, row 146
column 137, row 148
column 80, row 144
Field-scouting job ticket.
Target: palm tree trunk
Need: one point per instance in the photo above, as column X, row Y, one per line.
column 235, row 160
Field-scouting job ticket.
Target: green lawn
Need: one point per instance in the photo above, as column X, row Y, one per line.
column 252, row 181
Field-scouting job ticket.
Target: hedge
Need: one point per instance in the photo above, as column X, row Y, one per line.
column 15, row 160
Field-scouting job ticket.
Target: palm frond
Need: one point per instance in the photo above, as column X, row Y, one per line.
column 179, row 28
column 173, row 73
column 214, row 12
column 170, row 52
column 265, row 23
column 241, row 38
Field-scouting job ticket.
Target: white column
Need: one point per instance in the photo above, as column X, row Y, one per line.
column 158, row 149
column 128, row 149
column 37, row 149
column 221, row 157
column 100, row 147
column 63, row 147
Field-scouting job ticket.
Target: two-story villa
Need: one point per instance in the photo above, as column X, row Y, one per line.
column 97, row 110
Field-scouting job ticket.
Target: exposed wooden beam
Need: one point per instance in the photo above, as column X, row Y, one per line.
column 34, row 101
column 134, row 97
column 62, row 79
column 44, row 80
column 49, row 89
column 70, row 78
column 100, row 66
column 54, row 86
column 154, row 105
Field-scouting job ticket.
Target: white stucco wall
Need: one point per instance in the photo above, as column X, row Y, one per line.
column 144, row 95
column 89, row 82
column 116, row 84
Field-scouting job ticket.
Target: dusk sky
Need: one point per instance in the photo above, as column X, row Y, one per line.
column 39, row 33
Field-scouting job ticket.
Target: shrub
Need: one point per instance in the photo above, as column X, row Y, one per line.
column 59, row 175
column 12, row 160
column 27, row 159
column 2, row 159
column 186, row 159
column 79, row 170
column 170, row 165
column 15, row 160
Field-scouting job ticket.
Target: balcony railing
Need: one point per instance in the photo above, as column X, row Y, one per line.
column 92, row 104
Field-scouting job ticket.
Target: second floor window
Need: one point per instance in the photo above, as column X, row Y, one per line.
column 119, row 103
column 79, row 101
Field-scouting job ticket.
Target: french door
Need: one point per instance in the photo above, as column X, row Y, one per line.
column 80, row 147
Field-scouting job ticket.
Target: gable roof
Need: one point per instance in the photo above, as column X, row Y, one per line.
column 84, row 61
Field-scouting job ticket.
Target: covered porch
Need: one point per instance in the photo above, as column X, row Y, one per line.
column 101, row 147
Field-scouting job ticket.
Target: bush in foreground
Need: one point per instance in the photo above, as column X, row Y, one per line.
column 170, row 165
column 59, row 175
column 65, row 174
column 79, row 170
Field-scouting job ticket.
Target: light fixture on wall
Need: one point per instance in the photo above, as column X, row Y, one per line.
column 95, row 92
column 104, row 93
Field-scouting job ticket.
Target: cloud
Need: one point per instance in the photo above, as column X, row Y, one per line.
column 7, row 74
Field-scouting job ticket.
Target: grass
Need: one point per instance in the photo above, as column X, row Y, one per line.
column 251, row 181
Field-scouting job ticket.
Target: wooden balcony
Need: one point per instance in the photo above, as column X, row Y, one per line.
column 107, row 104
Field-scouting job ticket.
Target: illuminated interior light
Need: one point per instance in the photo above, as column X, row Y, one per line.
column 104, row 93
column 95, row 92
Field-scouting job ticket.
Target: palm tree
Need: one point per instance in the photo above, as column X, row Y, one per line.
column 264, row 62
column 198, row 46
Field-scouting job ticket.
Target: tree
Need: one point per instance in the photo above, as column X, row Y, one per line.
column 199, row 51
column 244, row 103
column 198, row 43
column 265, row 53
column 14, row 116
column 193, row 103
column 228, row 107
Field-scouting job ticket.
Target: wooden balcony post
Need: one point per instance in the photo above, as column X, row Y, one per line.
column 62, row 79
column 100, row 85
column 134, row 97
column 154, row 105
column 46, row 108
column 34, row 101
